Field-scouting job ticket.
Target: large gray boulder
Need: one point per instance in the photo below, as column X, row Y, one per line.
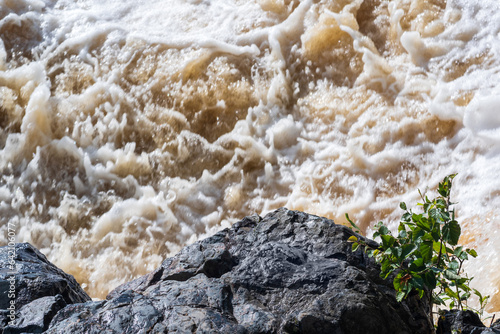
column 288, row 272
column 41, row 290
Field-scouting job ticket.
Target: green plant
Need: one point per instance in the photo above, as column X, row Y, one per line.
column 425, row 254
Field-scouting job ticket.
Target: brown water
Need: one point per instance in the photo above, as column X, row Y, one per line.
column 130, row 129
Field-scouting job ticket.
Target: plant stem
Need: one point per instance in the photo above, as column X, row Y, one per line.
column 439, row 255
column 458, row 293
column 459, row 301
column 431, row 306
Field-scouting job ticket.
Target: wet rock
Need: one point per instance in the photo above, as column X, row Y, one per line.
column 41, row 289
column 36, row 277
column 463, row 322
column 288, row 272
column 35, row 317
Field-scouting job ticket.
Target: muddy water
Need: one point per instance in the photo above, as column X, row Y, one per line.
column 129, row 129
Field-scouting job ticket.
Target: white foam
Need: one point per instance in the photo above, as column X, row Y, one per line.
column 134, row 128
column 482, row 117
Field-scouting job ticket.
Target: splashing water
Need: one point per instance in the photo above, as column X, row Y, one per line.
column 129, row 129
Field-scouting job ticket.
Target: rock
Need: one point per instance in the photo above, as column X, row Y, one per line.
column 288, row 272
column 463, row 322
column 35, row 317
column 41, row 289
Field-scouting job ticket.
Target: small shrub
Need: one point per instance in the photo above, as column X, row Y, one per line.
column 425, row 254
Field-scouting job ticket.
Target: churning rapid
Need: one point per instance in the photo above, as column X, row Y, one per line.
column 129, row 129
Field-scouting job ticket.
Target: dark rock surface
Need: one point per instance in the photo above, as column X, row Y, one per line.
column 41, row 290
column 464, row 322
column 288, row 272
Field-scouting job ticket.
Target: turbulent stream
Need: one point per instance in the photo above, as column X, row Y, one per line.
column 130, row 128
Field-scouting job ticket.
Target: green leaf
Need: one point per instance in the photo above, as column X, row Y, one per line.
column 463, row 284
column 402, row 205
column 440, row 202
column 437, row 247
column 426, row 207
column 355, row 246
column 385, row 269
column 416, row 218
column 352, row 238
column 436, row 270
column 430, row 280
column 417, row 282
column 451, row 232
column 463, row 256
column 417, row 234
column 437, row 300
column 417, row 264
column 397, row 252
column 436, row 235
column 439, row 215
column 453, row 265
column 401, row 281
column 354, row 226
column 400, row 295
column 450, row 293
column 426, row 251
column 383, row 230
column 451, row 275
column 471, row 252
column 465, row 296
column 457, row 251
column 387, row 240
column 424, row 224
column 443, row 188
column 427, row 237
column 408, row 249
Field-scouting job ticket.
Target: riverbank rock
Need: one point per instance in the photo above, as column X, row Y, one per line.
column 464, row 322
column 41, row 289
column 289, row 272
